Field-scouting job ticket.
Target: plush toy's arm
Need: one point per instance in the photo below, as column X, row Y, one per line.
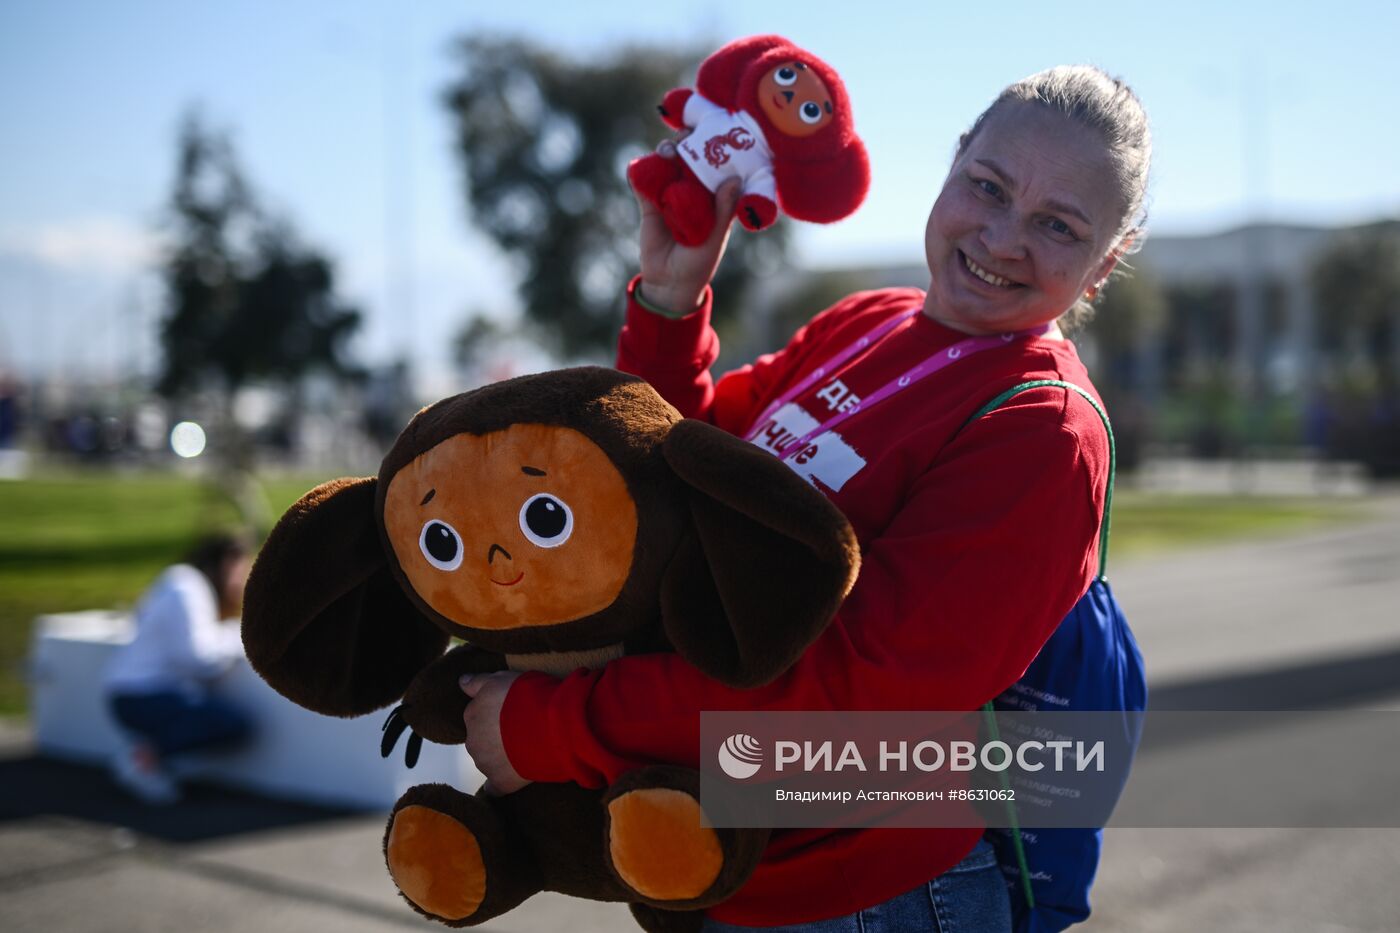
column 758, row 208
column 672, row 107
column 433, row 703
column 697, row 108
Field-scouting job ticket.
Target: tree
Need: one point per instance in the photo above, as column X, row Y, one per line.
column 1356, row 287
column 246, row 299
column 1127, row 317
column 246, row 302
column 544, row 142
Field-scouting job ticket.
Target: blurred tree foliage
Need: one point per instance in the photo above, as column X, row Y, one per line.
column 247, row 301
column 545, row 143
column 1356, row 289
column 1127, row 317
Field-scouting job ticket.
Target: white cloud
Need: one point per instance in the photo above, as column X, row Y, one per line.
column 87, row 244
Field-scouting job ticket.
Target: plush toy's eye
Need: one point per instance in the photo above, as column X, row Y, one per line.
column 811, row 112
column 785, row 76
column 546, row 520
column 441, row 545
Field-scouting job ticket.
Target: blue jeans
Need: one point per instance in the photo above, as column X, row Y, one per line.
column 970, row 897
column 174, row 722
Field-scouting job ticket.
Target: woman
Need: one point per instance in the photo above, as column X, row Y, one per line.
column 976, row 540
column 157, row 685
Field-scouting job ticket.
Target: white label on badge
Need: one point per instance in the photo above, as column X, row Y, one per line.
column 827, row 457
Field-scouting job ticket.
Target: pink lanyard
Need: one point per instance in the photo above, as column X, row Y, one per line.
column 946, row 357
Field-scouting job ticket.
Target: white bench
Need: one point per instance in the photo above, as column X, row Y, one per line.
column 295, row 754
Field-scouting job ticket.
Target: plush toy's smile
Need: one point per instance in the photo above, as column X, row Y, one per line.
column 511, row 583
column 778, row 103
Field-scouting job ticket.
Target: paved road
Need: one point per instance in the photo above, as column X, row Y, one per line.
column 1291, row 623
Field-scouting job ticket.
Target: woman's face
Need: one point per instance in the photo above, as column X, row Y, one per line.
column 1026, row 222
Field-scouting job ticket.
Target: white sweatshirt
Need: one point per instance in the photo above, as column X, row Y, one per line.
column 180, row 641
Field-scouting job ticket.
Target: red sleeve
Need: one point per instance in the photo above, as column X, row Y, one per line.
column 675, row 356
column 994, row 546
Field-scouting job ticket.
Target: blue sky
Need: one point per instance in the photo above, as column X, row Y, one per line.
column 1277, row 110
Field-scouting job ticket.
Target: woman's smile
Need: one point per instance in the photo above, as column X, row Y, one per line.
column 1001, row 283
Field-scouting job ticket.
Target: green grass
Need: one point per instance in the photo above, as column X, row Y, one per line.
column 89, row 541
column 1146, row 523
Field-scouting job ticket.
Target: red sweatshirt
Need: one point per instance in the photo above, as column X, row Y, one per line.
column 973, row 548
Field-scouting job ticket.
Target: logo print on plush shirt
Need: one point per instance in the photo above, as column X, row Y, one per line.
column 737, row 138
column 740, row 756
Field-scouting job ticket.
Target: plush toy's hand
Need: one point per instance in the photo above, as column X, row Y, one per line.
column 393, row 728
column 756, row 212
column 432, row 705
column 672, row 107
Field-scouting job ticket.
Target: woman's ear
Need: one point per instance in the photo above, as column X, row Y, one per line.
column 766, row 563
column 324, row 621
column 1110, row 262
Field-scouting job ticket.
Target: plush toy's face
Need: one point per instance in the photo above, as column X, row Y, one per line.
column 528, row 526
column 795, row 99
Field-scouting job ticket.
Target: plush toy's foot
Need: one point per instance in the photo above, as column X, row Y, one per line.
column 450, row 857
column 659, row 846
column 688, row 208
column 650, row 174
column 654, row 920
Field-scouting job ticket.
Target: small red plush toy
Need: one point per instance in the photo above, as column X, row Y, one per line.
column 771, row 114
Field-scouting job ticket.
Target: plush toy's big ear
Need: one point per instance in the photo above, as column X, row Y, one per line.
column 324, row 621
column 823, row 191
column 767, row 565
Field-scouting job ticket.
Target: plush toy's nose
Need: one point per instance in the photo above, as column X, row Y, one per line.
column 491, row 554
column 788, row 95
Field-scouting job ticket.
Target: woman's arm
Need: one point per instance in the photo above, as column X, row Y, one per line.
column 954, row 599
column 675, row 356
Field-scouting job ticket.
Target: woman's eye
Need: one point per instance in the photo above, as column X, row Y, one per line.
column 1059, row 227
column 990, row 187
column 546, row 520
column 811, row 112
column 785, row 76
column 441, row 545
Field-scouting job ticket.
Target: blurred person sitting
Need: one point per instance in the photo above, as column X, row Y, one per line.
column 157, row 686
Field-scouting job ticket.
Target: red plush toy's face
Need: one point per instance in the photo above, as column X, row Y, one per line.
column 794, row 99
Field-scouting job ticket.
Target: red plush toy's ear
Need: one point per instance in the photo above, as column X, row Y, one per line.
column 721, row 74
column 825, row 190
column 324, row 621
column 765, row 565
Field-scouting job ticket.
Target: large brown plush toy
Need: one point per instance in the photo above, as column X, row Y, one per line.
column 552, row 522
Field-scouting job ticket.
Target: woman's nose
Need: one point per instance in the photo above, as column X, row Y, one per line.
column 1003, row 239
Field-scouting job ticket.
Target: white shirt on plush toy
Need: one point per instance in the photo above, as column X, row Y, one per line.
column 726, row 144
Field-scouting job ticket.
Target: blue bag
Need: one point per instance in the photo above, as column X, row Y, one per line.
column 1090, row 663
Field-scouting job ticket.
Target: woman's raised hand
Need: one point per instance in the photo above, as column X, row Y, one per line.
column 674, row 276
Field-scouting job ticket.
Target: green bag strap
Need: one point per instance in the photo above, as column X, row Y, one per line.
column 989, row 711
